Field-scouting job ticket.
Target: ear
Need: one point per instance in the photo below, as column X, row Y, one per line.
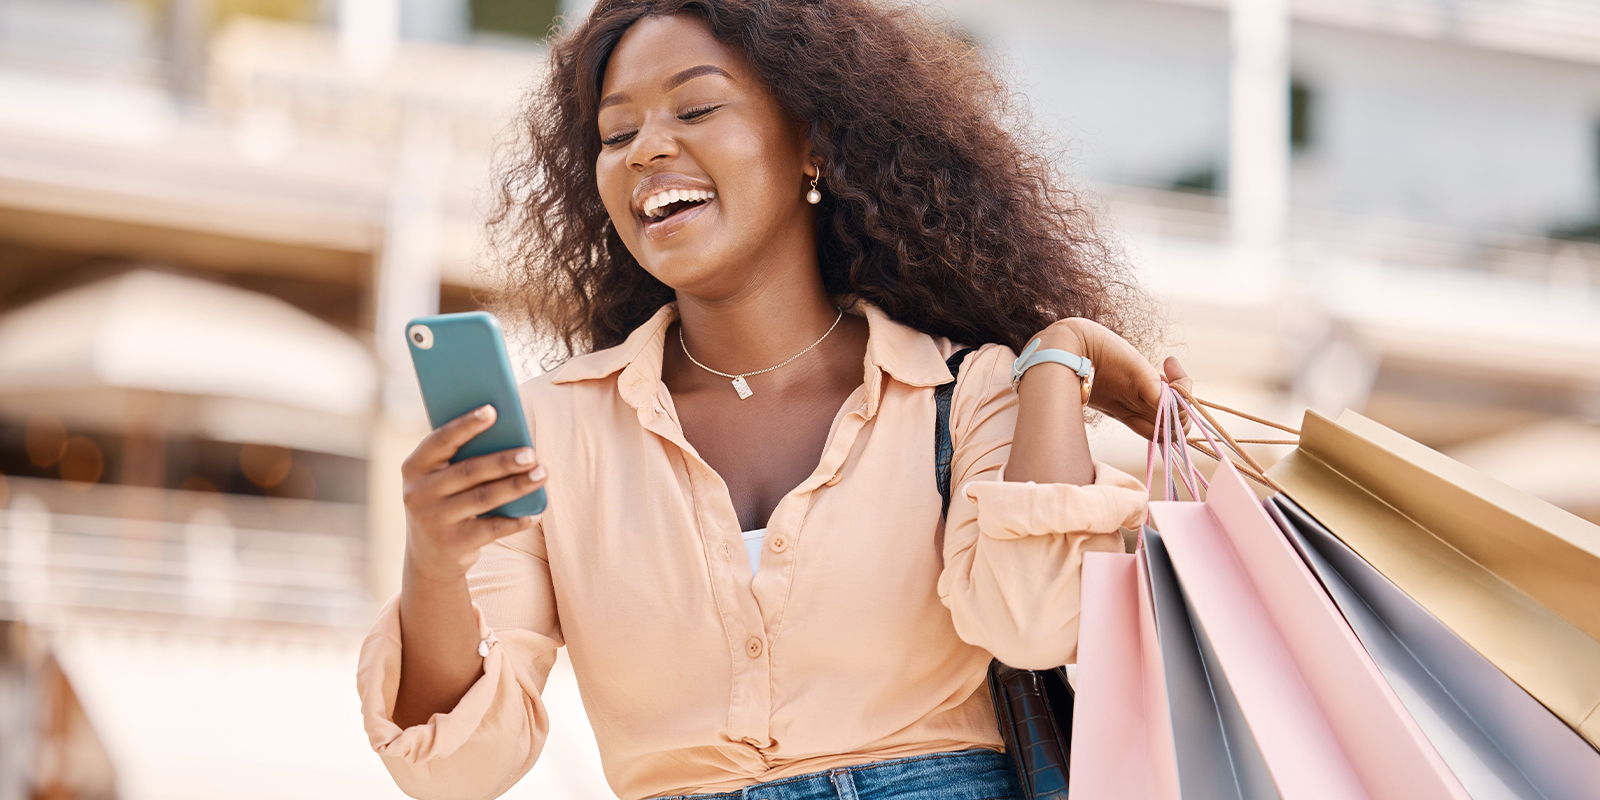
column 813, row 159
column 815, row 166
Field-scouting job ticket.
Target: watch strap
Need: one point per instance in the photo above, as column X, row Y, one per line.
column 1032, row 355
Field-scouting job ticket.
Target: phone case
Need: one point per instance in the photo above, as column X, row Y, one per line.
column 461, row 364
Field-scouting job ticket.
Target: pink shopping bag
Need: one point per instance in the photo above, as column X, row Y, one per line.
column 1327, row 723
column 1121, row 734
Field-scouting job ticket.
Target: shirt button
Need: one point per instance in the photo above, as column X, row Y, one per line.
column 753, row 647
column 779, row 544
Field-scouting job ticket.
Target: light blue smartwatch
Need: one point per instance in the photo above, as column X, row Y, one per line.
column 1032, row 355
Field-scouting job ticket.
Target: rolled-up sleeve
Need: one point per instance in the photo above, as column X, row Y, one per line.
column 493, row 735
column 1014, row 551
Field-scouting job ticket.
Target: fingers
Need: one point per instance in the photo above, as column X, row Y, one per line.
column 486, row 497
column 1141, row 426
column 475, row 471
column 1177, row 376
column 438, row 447
column 488, row 529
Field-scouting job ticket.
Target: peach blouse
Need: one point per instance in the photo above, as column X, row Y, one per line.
column 864, row 636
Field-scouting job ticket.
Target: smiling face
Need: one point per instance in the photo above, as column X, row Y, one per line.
column 700, row 169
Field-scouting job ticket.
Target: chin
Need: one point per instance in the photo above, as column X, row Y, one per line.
column 696, row 276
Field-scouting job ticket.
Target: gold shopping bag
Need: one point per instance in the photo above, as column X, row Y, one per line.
column 1513, row 576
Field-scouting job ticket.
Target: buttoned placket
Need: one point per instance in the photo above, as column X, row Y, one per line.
column 750, row 702
column 751, row 619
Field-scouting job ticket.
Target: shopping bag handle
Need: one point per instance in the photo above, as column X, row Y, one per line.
column 1178, row 402
column 1174, row 413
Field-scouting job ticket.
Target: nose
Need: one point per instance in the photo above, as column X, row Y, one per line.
column 654, row 142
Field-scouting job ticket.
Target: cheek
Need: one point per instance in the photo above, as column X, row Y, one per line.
column 615, row 193
column 758, row 174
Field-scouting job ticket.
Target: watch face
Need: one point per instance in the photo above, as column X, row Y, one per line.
column 1088, row 386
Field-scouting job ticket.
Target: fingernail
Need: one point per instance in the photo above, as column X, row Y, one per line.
column 537, row 474
column 524, row 456
column 484, row 412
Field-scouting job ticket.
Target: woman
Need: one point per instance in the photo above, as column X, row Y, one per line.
column 763, row 226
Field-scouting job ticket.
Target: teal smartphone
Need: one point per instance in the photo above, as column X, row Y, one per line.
column 461, row 364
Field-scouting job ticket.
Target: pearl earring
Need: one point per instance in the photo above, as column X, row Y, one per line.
column 814, row 197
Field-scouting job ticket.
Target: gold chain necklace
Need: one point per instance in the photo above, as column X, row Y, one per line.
column 739, row 383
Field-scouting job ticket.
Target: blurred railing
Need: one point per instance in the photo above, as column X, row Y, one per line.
column 70, row 553
column 279, row 79
column 1318, row 235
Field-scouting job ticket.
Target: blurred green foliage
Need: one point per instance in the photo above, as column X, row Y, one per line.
column 527, row 18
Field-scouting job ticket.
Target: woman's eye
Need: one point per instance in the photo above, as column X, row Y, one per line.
column 697, row 112
column 617, row 138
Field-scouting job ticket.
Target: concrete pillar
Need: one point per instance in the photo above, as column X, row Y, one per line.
column 1258, row 131
column 407, row 285
column 369, row 33
column 188, row 23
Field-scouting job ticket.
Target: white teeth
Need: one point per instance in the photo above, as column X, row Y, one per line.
column 656, row 202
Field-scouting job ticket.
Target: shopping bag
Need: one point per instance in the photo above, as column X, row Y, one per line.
column 1121, row 737
column 1326, row 722
column 1518, row 580
column 1217, row 757
column 1133, row 637
column 1499, row 741
column 1542, row 550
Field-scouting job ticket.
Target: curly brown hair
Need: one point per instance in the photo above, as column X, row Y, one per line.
column 938, row 211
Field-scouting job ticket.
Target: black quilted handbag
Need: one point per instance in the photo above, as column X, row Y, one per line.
column 1033, row 708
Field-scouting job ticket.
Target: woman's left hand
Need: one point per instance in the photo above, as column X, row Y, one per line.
column 1126, row 387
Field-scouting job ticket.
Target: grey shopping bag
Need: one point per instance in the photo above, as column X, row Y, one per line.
column 1498, row 740
column 1217, row 756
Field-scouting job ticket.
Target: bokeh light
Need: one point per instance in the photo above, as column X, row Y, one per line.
column 82, row 463
column 197, row 484
column 46, row 440
column 298, row 484
column 264, row 464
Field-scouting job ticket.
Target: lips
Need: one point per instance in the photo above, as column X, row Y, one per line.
column 658, row 229
column 665, row 202
column 670, row 201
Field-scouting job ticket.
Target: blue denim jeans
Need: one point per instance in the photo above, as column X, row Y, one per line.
column 964, row 775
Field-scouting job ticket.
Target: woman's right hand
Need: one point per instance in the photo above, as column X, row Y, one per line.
column 444, row 501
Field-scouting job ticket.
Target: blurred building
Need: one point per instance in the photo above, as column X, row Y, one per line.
column 1407, row 223
column 210, row 212
column 215, row 216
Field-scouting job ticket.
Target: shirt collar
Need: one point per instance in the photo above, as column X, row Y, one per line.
column 638, row 358
column 906, row 354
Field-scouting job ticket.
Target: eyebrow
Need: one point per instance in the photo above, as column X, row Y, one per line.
column 678, row 79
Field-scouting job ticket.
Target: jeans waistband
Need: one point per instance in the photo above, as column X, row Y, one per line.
column 962, row 775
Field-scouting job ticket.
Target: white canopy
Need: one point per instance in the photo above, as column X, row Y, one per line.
column 192, row 356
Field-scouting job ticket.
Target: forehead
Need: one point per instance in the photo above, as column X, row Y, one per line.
column 655, row 48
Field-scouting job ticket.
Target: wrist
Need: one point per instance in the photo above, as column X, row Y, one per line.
column 1065, row 335
column 433, row 572
column 1050, row 384
column 1059, row 353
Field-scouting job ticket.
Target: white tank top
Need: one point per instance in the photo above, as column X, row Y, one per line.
column 752, row 547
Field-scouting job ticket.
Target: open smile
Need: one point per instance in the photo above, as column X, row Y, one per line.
column 664, row 212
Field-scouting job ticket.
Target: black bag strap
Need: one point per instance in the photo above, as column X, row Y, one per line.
column 944, row 450
column 1033, row 709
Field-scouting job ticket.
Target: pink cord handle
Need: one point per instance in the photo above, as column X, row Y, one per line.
column 1173, row 447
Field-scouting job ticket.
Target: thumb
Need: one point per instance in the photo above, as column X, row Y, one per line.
column 1178, row 377
column 1176, row 374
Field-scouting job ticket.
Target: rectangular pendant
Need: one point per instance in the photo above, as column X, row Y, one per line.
column 741, row 387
